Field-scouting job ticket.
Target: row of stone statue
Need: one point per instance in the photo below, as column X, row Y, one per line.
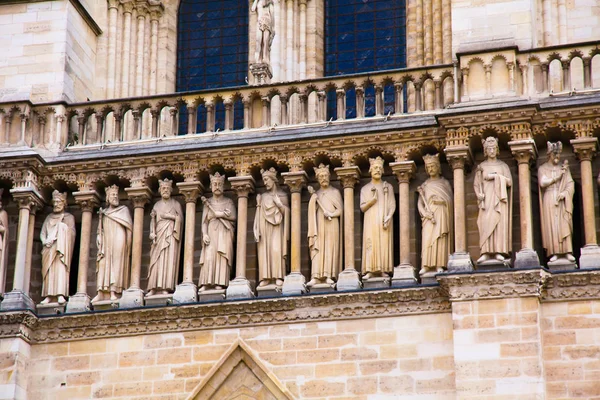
column 492, row 186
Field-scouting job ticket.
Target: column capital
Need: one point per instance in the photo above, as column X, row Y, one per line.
column 295, row 180
column 27, row 198
column 113, row 4
column 349, row 176
column 87, row 200
column 459, row 156
column 585, row 147
column 243, row 185
column 156, row 11
column 404, row 170
column 190, row 190
column 524, row 151
column 139, row 196
column 127, row 6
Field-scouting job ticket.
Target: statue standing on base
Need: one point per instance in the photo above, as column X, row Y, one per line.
column 325, row 234
column 436, row 207
column 556, row 197
column 3, row 245
column 115, row 229
column 58, row 239
column 378, row 204
column 165, row 234
column 218, row 229
column 271, row 230
column 493, row 188
column 265, row 30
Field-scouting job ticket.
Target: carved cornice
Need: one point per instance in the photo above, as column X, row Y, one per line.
column 580, row 285
column 479, row 286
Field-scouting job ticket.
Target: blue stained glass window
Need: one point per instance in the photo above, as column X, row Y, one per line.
column 212, row 44
column 364, row 35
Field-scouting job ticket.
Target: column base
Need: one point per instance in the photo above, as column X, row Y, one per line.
column 321, row 288
column 211, row 295
column 590, row 257
column 377, row 282
column 158, row 300
column 50, row 309
column 79, row 302
column 105, row 305
column 16, row 300
column 294, row 284
column 527, row 259
column 185, row 292
column 460, row 262
column 239, row 288
column 132, row 298
column 271, row 290
column 404, row 275
column 349, row 279
column 562, row 264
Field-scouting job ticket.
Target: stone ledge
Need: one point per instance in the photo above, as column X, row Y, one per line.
column 574, row 285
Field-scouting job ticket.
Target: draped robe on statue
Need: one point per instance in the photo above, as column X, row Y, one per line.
column 557, row 216
column 217, row 257
column 114, row 249
column 273, row 226
column 438, row 237
column 3, row 248
column 378, row 248
column 164, row 254
column 325, row 236
column 58, row 228
column 495, row 211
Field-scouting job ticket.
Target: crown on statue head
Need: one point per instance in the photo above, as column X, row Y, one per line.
column 271, row 173
column 165, row 183
column 376, row 161
column 322, row 169
column 555, row 147
column 112, row 189
column 57, row 196
column 430, row 159
column 217, row 177
column 489, row 142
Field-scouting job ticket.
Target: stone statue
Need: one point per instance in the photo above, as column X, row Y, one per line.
column 378, row 204
column 325, row 233
column 556, row 197
column 265, row 30
column 436, row 207
column 115, row 229
column 58, row 239
column 3, row 245
column 166, row 223
column 493, row 188
column 271, row 230
column 218, row 229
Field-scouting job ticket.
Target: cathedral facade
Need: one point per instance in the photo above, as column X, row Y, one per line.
column 299, row 199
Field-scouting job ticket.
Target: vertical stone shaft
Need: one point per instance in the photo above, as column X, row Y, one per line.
column 243, row 186
column 153, row 54
column 139, row 65
column 84, row 250
column 296, row 231
column 30, row 231
column 428, row 31
column 125, row 56
column 562, row 22
column 188, row 254
column 113, row 9
column 404, row 220
column 289, row 67
column 22, row 235
column 460, row 217
column 447, row 31
column 437, row 16
column 547, row 17
column 302, row 60
column 419, row 41
column 525, row 204
column 587, row 189
column 139, row 195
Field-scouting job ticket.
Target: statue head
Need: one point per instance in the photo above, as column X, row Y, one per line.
column 217, row 183
column 269, row 177
column 376, row 167
column 554, row 150
column 165, row 188
column 112, row 195
column 323, row 175
column 59, row 201
column 432, row 165
column 490, row 147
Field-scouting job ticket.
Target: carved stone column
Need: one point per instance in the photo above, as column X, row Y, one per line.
column 459, row 157
column 488, row 79
column 240, row 287
column 525, row 153
column 113, row 9
column 87, row 200
column 187, row 291
column 341, row 103
column 134, row 296
column 126, row 52
column 294, row 283
column 585, row 148
column 18, row 299
column 349, row 279
column 398, row 98
column 587, row 72
column 525, row 80
column 465, row 84
column 142, row 10
column 156, row 11
column 404, row 273
column 30, row 233
column 566, row 69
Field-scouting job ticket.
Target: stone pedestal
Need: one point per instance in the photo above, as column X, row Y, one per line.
column 50, row 309
column 378, row 282
column 348, row 280
column 105, row 305
column 562, row 264
column 527, row 259
column 239, row 288
column 404, row 275
column 321, row 288
column 132, row 298
column 261, row 72
column 460, row 262
column 16, row 300
column 294, row 284
column 493, row 265
column 429, row 278
column 78, row 303
column 269, row 291
column 590, row 257
column 185, row 292
column 159, row 300
column 211, row 295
